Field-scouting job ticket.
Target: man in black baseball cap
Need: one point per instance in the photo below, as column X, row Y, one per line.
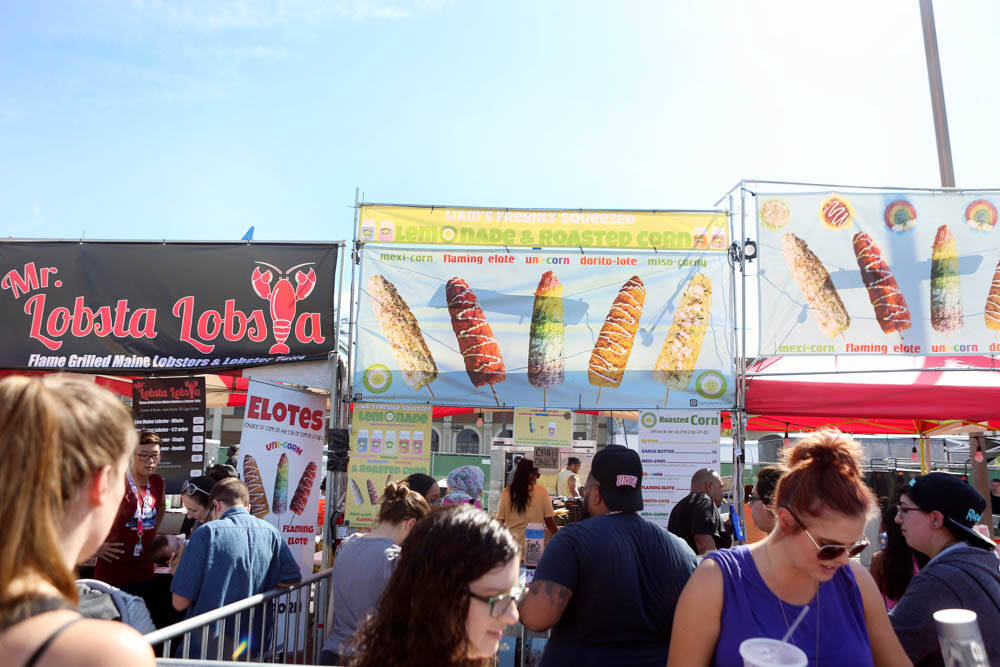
column 608, row 586
column 937, row 513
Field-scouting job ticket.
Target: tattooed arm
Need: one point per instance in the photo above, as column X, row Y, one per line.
column 544, row 605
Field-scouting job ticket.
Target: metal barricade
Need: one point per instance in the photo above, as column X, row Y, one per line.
column 286, row 625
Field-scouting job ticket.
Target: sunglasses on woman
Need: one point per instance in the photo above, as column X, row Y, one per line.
column 499, row 604
column 832, row 551
column 189, row 488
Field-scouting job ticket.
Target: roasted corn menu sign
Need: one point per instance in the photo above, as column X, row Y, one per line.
column 135, row 307
column 554, row 329
column 388, row 443
column 543, row 228
column 891, row 273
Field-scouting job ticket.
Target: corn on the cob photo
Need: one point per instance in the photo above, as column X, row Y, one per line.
column 946, row 285
column 614, row 343
column 887, row 299
column 400, row 328
column 816, row 286
column 992, row 313
column 546, row 344
column 676, row 363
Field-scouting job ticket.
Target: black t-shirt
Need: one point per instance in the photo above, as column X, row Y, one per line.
column 696, row 514
column 626, row 575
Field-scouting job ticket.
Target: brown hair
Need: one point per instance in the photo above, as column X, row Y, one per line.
column 149, row 438
column 55, row 434
column 400, row 502
column 230, row 492
column 420, row 618
column 767, row 481
column 824, row 472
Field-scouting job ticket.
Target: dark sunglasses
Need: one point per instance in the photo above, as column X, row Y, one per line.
column 189, row 488
column 832, row 551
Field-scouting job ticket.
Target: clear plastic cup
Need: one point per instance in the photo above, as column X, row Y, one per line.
column 765, row 652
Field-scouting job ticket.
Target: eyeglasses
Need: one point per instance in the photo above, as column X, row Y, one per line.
column 148, row 457
column 500, row 604
column 832, row 551
column 189, row 488
column 753, row 496
column 903, row 509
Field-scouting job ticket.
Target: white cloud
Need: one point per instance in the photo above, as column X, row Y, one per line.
column 37, row 210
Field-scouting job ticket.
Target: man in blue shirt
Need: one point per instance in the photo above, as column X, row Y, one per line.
column 233, row 556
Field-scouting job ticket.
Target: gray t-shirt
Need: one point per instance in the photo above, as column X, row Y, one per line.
column 360, row 572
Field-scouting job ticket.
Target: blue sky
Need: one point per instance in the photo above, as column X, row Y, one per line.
column 195, row 120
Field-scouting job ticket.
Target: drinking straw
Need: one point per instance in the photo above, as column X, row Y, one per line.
column 802, row 614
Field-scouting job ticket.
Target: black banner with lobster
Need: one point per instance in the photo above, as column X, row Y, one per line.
column 139, row 307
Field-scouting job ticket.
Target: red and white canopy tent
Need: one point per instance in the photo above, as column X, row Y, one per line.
column 904, row 395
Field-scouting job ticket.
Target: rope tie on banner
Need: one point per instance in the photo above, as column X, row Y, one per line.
column 581, row 250
column 507, row 249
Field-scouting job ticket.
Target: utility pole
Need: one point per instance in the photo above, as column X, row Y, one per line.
column 937, row 95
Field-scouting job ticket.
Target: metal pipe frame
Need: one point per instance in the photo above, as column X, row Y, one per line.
column 228, row 617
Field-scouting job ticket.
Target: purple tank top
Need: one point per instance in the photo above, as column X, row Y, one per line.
column 750, row 609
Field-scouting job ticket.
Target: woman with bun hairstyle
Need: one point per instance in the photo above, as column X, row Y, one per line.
column 363, row 565
column 451, row 597
column 821, row 506
column 65, row 444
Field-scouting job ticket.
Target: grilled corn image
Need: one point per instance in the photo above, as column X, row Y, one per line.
column 614, row 343
column 682, row 345
column 887, row 299
column 255, row 485
column 400, row 328
column 816, row 286
column 992, row 313
column 946, row 285
column 546, row 344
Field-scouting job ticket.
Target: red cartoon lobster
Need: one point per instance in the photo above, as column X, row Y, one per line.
column 282, row 297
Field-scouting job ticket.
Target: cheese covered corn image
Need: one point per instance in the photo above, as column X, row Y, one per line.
column 679, row 354
column 816, row 286
column 400, row 328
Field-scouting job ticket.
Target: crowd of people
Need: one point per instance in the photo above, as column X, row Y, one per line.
column 440, row 585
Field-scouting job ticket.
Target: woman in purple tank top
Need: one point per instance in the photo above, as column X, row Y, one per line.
column 821, row 506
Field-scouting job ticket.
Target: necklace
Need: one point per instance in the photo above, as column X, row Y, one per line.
column 781, row 604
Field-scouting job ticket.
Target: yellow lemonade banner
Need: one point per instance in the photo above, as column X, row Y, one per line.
column 536, row 228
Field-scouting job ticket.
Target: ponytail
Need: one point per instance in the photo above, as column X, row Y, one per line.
column 824, row 471
column 400, row 503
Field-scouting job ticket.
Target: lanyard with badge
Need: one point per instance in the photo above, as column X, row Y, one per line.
column 140, row 511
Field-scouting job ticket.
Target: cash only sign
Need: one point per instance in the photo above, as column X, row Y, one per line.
column 132, row 306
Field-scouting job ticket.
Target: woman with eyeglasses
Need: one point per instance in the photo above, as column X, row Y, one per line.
column 363, row 565
column 762, row 496
column 893, row 566
column 123, row 560
column 821, row 506
column 426, row 486
column 65, row 443
column 196, row 495
column 938, row 513
column 452, row 595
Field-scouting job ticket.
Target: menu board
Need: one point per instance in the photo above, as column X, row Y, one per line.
column 388, row 443
column 174, row 409
column 673, row 445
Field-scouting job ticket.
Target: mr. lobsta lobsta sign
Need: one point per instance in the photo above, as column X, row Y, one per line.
column 141, row 305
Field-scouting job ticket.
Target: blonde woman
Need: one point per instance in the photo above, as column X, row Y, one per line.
column 65, row 444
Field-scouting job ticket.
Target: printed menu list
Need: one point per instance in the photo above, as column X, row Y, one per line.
column 174, row 409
